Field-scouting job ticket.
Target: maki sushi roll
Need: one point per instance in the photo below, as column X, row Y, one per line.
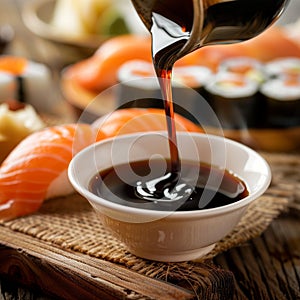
column 289, row 66
column 234, row 98
column 26, row 81
column 139, row 87
column 246, row 66
column 282, row 96
column 137, row 83
column 189, row 90
column 194, row 77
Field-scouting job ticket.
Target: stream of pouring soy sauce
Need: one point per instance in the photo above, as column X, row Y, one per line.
column 176, row 188
column 170, row 31
column 172, row 37
column 223, row 21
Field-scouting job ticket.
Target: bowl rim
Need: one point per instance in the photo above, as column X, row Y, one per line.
column 91, row 197
column 51, row 33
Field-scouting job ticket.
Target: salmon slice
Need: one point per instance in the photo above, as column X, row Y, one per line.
column 271, row 44
column 99, row 71
column 132, row 120
column 37, row 168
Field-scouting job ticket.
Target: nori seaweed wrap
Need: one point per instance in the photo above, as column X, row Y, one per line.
column 282, row 96
column 234, row 99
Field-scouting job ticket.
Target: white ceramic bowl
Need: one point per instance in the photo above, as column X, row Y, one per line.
column 170, row 236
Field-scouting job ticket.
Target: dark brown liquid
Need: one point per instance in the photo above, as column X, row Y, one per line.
column 171, row 28
column 226, row 21
column 148, row 188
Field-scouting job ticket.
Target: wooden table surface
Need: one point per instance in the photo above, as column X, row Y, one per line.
column 267, row 267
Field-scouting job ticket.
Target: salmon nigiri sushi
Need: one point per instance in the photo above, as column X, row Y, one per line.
column 37, row 168
column 132, row 120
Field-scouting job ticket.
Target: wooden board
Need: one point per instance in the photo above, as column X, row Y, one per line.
column 267, row 267
column 68, row 274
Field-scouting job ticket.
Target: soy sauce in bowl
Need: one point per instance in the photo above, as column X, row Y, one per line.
column 164, row 191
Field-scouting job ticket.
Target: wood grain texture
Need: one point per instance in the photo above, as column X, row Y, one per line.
column 267, row 267
column 67, row 275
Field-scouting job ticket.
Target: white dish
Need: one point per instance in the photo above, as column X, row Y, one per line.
column 170, row 236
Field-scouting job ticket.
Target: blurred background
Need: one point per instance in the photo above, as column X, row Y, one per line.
column 61, row 33
column 28, row 28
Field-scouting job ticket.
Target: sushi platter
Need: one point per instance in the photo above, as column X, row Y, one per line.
column 252, row 87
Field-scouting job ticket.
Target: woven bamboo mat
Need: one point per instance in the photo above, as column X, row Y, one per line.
column 70, row 223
